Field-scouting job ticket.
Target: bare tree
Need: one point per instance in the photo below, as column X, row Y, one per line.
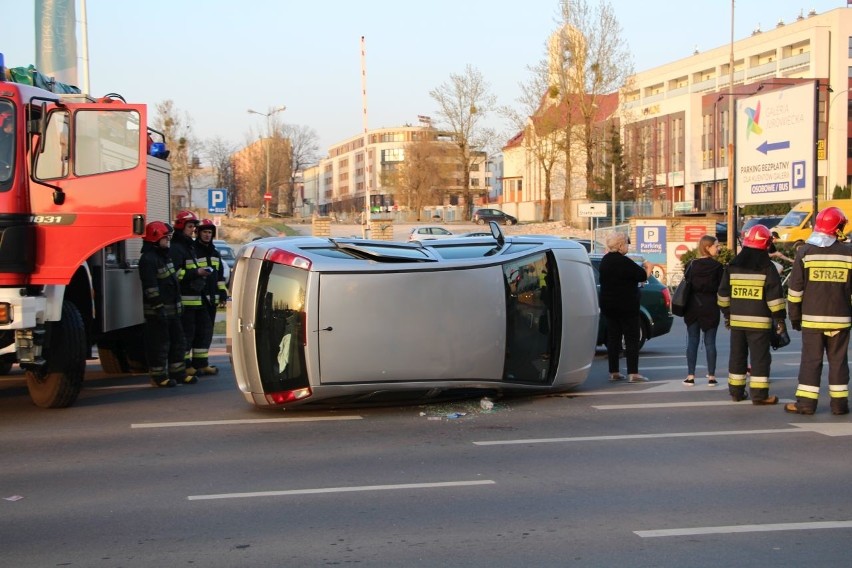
column 423, row 173
column 304, row 151
column 590, row 59
column 220, row 155
column 541, row 123
column 464, row 103
column 264, row 164
column 177, row 130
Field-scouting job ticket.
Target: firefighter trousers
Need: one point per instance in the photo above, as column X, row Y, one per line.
column 745, row 343
column 198, row 330
column 164, row 348
column 834, row 345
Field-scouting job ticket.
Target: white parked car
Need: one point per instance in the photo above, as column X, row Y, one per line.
column 429, row 232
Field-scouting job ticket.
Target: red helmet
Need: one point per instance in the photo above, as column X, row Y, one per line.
column 184, row 217
column 830, row 221
column 156, row 230
column 757, row 237
column 206, row 224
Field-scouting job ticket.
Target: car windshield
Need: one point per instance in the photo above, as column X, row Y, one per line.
column 793, row 219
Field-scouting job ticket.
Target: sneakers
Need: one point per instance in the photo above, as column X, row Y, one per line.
column 204, row 371
column 637, row 378
column 765, row 401
column 616, row 377
column 163, row 383
column 711, row 381
column 688, row 382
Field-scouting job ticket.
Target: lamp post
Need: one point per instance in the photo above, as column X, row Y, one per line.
column 268, row 116
column 828, row 186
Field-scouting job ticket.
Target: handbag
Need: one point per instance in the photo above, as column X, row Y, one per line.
column 681, row 295
column 779, row 337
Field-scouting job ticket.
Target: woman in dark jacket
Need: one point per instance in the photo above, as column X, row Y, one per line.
column 702, row 312
column 620, row 278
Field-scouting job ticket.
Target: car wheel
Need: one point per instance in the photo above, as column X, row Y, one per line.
column 480, row 221
column 513, row 222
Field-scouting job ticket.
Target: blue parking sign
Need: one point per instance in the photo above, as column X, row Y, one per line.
column 217, row 201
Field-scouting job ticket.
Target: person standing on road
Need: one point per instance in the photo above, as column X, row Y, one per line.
column 819, row 294
column 161, row 306
column 702, row 312
column 752, row 302
column 214, row 296
column 197, row 327
column 620, row 278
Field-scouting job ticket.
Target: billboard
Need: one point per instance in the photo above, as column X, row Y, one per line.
column 774, row 152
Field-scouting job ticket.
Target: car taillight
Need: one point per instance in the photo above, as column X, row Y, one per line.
column 667, row 299
column 279, row 256
column 283, row 397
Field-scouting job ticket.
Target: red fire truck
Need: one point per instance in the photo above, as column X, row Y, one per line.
column 77, row 186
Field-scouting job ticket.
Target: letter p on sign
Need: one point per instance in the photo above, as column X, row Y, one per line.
column 217, row 201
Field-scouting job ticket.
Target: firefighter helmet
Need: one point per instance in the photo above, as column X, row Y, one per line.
column 156, row 230
column 830, row 221
column 184, row 217
column 206, row 224
column 757, row 237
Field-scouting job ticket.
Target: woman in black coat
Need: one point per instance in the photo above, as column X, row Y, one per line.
column 702, row 312
column 620, row 278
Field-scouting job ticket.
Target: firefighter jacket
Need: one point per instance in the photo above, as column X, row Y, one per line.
column 750, row 294
column 216, row 289
column 160, row 287
column 192, row 284
column 820, row 287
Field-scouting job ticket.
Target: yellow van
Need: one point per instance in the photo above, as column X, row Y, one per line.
column 796, row 226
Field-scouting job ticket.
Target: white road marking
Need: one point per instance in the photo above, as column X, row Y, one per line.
column 668, row 385
column 826, row 429
column 246, row 421
column 744, row 404
column 340, row 490
column 637, row 437
column 816, row 525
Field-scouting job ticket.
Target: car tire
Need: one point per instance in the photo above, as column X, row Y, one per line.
column 643, row 335
column 480, row 221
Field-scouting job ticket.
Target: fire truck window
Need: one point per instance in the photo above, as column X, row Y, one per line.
column 105, row 141
column 7, row 143
column 53, row 162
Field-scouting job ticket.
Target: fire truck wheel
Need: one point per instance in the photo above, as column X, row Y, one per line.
column 59, row 383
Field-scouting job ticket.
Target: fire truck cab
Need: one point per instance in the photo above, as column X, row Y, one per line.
column 77, row 186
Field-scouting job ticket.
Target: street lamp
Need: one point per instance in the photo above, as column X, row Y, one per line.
column 828, row 186
column 268, row 116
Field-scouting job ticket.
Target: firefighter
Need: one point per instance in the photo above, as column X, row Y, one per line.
column 820, row 307
column 215, row 294
column 197, row 327
column 752, row 303
column 164, row 340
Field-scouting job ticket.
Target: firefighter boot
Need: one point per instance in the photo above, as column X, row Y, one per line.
column 188, row 380
column 207, row 370
column 190, row 370
column 761, row 397
column 163, row 382
column 737, row 393
column 839, row 406
column 796, row 408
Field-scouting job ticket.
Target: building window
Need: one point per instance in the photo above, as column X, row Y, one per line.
column 850, row 47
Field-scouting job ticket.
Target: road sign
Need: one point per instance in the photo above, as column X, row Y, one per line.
column 267, row 196
column 775, row 146
column 217, row 201
column 591, row 209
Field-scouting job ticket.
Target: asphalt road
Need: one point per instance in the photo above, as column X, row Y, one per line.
column 655, row 474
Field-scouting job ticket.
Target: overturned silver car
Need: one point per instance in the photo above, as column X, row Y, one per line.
column 341, row 321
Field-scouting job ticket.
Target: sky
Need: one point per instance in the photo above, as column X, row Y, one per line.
column 216, row 59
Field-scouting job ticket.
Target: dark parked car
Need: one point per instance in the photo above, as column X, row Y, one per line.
column 655, row 311
column 769, row 222
column 482, row 216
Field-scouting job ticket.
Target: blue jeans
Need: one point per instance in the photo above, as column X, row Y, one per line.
column 693, row 331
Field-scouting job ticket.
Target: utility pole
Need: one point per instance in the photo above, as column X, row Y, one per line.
column 367, row 177
column 268, row 116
